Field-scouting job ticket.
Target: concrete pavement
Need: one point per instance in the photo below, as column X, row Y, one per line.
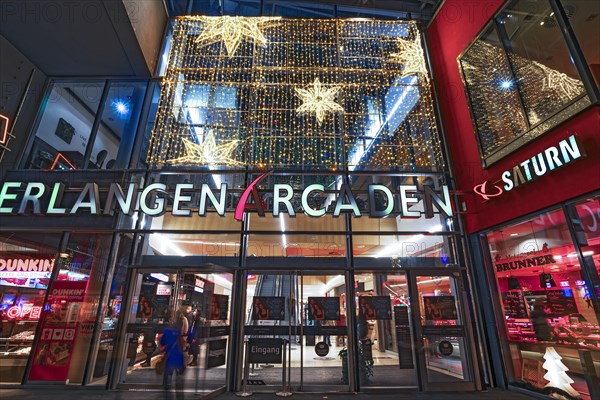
column 88, row 393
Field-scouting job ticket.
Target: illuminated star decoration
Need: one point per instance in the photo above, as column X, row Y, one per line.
column 412, row 56
column 208, row 152
column 318, row 100
column 556, row 80
column 233, row 30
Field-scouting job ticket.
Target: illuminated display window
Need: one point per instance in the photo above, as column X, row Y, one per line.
column 523, row 78
column 546, row 299
column 284, row 93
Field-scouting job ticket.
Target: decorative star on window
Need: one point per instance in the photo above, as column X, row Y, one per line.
column 411, row 55
column 318, row 100
column 207, row 153
column 233, row 30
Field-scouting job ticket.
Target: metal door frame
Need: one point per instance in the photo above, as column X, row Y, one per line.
column 300, row 387
column 425, row 385
column 134, row 273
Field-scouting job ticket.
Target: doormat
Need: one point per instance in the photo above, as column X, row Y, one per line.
column 255, row 382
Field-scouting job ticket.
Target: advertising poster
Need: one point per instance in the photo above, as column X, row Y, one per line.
column 154, row 300
column 219, row 304
column 268, row 308
column 216, row 351
column 145, row 307
column 31, row 273
column 403, row 337
column 59, row 327
column 323, row 308
column 438, row 308
column 375, row 307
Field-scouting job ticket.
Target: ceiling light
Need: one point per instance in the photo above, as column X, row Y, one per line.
column 506, row 84
column 120, row 107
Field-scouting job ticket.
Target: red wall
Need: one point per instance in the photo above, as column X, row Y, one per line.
column 455, row 26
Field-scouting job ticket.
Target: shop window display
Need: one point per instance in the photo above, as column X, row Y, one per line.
column 546, row 302
column 25, row 270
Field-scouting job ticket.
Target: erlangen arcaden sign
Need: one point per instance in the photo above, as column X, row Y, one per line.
column 19, row 198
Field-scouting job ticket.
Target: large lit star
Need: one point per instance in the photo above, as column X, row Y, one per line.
column 318, row 100
column 233, row 30
column 411, row 55
column 208, row 152
column 558, row 81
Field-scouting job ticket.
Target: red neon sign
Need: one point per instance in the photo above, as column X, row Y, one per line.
column 22, row 311
column 3, row 129
column 484, row 191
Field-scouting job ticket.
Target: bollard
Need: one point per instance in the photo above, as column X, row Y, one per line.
column 284, row 385
column 244, row 392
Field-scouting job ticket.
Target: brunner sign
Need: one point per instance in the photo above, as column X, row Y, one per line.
column 19, row 198
column 554, row 157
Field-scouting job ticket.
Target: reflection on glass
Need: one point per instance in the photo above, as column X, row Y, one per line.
column 583, row 16
column 314, row 306
column 443, row 329
column 118, row 125
column 384, row 330
column 494, row 102
column 196, row 304
column 64, row 128
column 545, row 300
column 546, row 77
column 22, row 297
column 519, row 74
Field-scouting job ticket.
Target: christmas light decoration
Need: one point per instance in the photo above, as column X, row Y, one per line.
column 233, row 30
column 556, row 80
column 412, row 56
column 298, row 93
column 505, row 106
column 556, row 374
column 207, row 153
column 318, row 100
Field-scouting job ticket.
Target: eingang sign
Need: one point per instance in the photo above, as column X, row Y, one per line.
column 20, row 198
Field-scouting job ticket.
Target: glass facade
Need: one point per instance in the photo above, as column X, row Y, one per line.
column 86, row 125
column 27, row 262
column 309, row 94
column 301, row 231
column 523, row 76
column 546, row 283
column 340, row 113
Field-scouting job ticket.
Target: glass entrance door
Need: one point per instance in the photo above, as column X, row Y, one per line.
column 194, row 304
column 444, row 357
column 384, row 331
column 303, row 315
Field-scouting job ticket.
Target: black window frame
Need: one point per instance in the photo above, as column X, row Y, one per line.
column 590, row 98
column 129, row 160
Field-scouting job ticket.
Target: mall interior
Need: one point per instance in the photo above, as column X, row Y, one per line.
column 323, row 197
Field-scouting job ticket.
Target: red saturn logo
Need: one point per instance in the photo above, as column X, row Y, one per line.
column 483, row 190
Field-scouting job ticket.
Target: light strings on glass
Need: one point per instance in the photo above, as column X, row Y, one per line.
column 295, row 93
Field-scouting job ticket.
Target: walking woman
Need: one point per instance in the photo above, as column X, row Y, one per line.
column 172, row 342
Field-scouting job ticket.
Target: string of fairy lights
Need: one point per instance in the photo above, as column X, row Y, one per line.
column 270, row 92
column 496, row 96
